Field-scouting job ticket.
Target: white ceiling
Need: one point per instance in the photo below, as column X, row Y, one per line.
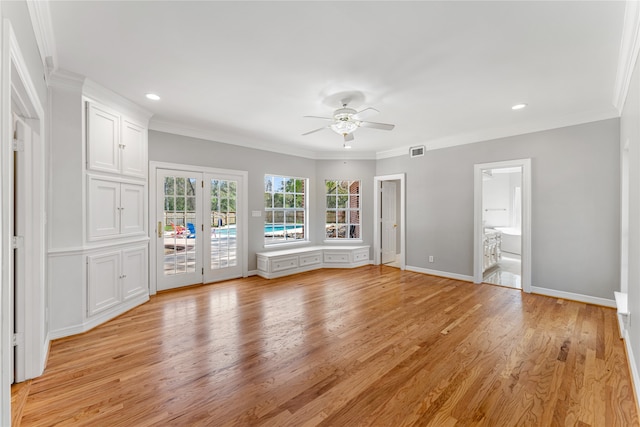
column 443, row 72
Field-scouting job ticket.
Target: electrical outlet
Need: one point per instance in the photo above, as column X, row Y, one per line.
column 430, row 258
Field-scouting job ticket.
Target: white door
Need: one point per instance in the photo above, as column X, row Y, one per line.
column 179, row 255
column 223, row 252
column 199, row 217
column 388, row 222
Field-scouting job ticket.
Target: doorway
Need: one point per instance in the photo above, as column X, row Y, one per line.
column 200, row 226
column 23, row 308
column 389, row 230
column 502, row 226
column 502, row 218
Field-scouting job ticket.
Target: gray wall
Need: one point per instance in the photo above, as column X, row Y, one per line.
column 166, row 147
column 630, row 132
column 575, row 205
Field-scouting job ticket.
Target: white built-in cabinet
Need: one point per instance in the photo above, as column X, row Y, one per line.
column 115, row 144
column 115, row 209
column 116, row 195
column 98, row 256
column 116, row 276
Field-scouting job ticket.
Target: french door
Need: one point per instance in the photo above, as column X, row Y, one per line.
column 198, row 227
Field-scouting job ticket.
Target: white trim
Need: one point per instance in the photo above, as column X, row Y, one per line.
column 98, row 319
column 244, row 219
column 504, row 132
column 478, row 229
column 252, row 273
column 33, row 310
column 438, row 273
column 377, row 182
column 64, row 79
column 635, row 376
column 6, row 170
column 587, row 299
column 628, row 55
column 45, row 36
column 227, row 138
column 92, row 91
column 99, row 246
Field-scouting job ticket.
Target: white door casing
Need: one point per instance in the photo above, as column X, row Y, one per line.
column 218, row 253
column 478, row 234
column 377, row 213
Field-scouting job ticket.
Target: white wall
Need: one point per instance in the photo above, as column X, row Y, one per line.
column 575, row 205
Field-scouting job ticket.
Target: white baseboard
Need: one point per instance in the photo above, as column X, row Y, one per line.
column 98, row 319
column 440, row 273
column 635, row 377
column 574, row 297
column 252, row 273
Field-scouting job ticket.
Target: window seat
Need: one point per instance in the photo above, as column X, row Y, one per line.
column 296, row 260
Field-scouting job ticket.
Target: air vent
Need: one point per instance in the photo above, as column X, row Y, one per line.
column 417, row 151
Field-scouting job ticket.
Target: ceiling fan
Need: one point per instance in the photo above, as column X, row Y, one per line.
column 347, row 120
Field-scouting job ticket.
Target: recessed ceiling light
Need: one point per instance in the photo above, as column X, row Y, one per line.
column 518, row 106
column 153, row 97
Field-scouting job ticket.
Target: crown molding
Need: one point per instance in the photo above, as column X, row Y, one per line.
column 628, row 55
column 43, row 29
column 209, row 135
column 64, row 79
column 505, row 132
column 93, row 90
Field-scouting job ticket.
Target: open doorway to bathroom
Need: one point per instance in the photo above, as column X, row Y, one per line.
column 502, row 226
column 502, row 223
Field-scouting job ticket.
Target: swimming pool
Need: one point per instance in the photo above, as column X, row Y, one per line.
column 268, row 229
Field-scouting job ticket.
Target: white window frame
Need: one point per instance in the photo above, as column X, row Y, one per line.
column 347, row 209
column 286, row 241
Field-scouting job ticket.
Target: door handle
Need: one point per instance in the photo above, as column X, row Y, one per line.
column 159, row 228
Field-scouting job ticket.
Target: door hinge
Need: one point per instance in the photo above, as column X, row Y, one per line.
column 16, row 242
column 202, row 184
column 203, row 271
column 17, row 145
column 17, row 339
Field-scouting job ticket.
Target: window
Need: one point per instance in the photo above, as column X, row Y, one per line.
column 343, row 209
column 285, row 204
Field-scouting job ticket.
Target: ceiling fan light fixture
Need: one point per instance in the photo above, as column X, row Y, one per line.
column 346, row 146
column 344, row 127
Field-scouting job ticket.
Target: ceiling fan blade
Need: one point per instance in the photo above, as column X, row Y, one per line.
column 348, row 137
column 318, row 117
column 374, row 125
column 367, row 112
column 315, row 130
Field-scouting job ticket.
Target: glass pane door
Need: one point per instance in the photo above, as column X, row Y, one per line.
column 178, row 216
column 223, row 252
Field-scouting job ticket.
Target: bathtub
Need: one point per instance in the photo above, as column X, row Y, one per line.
column 511, row 239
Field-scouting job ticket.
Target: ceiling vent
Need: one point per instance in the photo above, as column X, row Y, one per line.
column 417, row 151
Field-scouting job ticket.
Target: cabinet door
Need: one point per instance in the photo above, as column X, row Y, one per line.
column 103, row 139
column 134, row 149
column 103, row 201
column 132, row 198
column 103, row 281
column 134, row 272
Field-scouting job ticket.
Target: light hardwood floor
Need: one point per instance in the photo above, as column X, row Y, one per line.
column 372, row 346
